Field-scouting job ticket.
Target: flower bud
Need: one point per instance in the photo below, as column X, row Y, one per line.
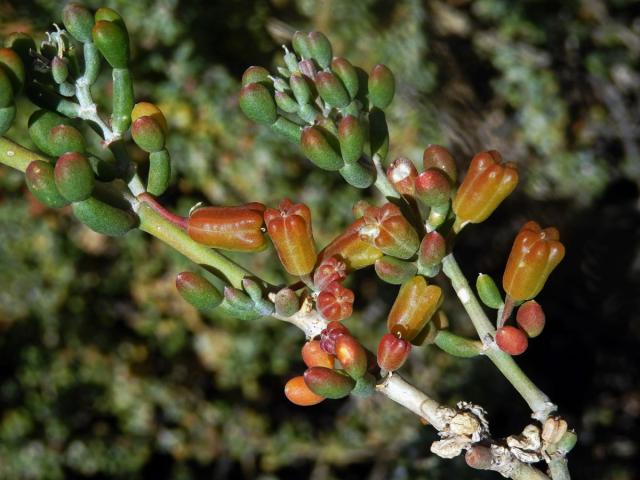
column 317, row 148
column 486, row 185
column 289, row 227
column 103, row 217
column 331, row 90
column 13, row 67
column 148, row 134
column 402, row 174
column 347, row 74
column 335, row 302
column 255, row 75
column 286, row 302
column 433, row 248
column 414, row 306
column 40, row 181
column 433, row 187
column 531, row 318
column 351, row 356
column 300, row 88
column 148, row 109
column 298, row 393
column 511, row 340
column 488, row 291
column 314, row 356
column 257, row 103
column 394, row 271
column 388, row 230
column 78, row 21
column 330, row 270
column 393, row 351
column 74, row 177
column 59, row 69
column 439, row 157
column 534, row 255
column 351, row 135
column 351, row 249
column 328, row 383
column 198, row 291
column 382, row 86
column 112, row 41
column 236, row 228
column 330, row 335
column 320, row 48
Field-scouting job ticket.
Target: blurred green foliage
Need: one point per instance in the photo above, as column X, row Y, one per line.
column 108, row 373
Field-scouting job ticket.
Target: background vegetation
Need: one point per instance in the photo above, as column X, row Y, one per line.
column 107, row 373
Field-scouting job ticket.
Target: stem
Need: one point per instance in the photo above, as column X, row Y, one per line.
column 539, row 403
column 177, row 220
column 157, row 225
column 16, row 156
column 559, row 469
column 382, row 182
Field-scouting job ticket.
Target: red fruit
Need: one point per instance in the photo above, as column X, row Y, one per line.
column 511, row 340
column 393, row 351
column 314, row 356
column 531, row 318
column 335, row 303
column 329, row 335
column 297, row 392
column 330, row 270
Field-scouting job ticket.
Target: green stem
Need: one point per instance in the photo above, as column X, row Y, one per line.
column 15, row 156
column 535, row 398
column 156, row 225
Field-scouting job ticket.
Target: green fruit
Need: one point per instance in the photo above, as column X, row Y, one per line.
column 358, row 175
column 7, row 115
column 103, row 217
column 159, row 172
column 351, row 135
column 198, row 291
column 13, row 67
column 319, row 150
column 78, row 21
column 41, row 123
column 382, row 86
column 257, row 103
column 40, row 181
column 113, row 42
column 65, row 138
column 74, row 177
column 148, row 134
column 331, row 90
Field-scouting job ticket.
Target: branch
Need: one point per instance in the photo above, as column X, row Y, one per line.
column 540, row 404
